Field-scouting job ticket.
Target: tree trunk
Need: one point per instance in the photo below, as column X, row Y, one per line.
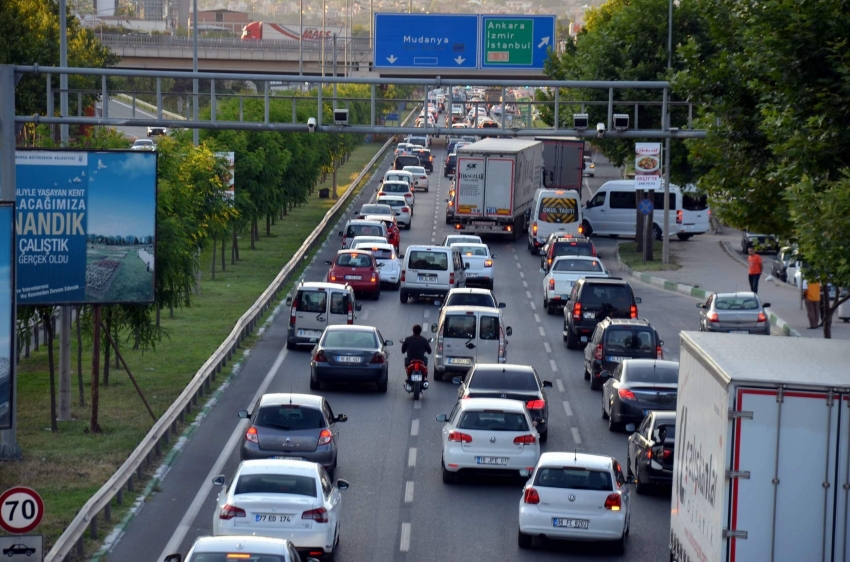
column 94, row 425
column 234, row 249
column 51, row 368
column 268, row 225
column 253, row 247
column 115, row 339
column 80, row 357
column 106, row 350
column 214, row 256
column 223, row 260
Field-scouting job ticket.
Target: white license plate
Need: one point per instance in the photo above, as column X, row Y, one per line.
column 616, row 358
column 739, row 332
column 416, row 378
column 492, row 460
column 590, row 315
column 584, row 339
column 289, row 458
column 570, row 523
column 431, row 278
column 354, row 277
column 460, row 361
column 309, row 333
column 472, row 275
column 347, row 359
column 280, row 518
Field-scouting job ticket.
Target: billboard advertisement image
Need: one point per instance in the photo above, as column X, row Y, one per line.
column 7, row 217
column 648, row 165
column 85, row 226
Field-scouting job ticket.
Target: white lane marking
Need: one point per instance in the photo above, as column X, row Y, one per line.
column 408, row 492
column 521, row 274
column 519, row 265
column 542, row 331
column 547, row 347
column 427, row 313
column 411, row 457
column 516, row 257
column 533, row 306
column 525, row 284
column 405, row 537
column 417, row 404
column 567, row 407
column 513, row 249
column 537, row 318
column 576, row 436
column 553, row 365
column 206, row 486
column 528, row 294
column 432, row 240
column 414, row 428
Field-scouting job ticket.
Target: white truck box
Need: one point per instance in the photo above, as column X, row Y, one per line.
column 762, row 471
column 563, row 162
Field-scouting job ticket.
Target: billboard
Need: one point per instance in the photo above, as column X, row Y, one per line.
column 7, row 268
column 648, row 165
column 85, row 226
column 229, row 192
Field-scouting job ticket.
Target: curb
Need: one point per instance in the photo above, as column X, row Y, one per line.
column 727, row 247
column 689, row 291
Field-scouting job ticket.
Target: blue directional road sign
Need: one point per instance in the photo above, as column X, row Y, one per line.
column 391, row 117
column 645, row 206
column 423, row 41
column 516, row 41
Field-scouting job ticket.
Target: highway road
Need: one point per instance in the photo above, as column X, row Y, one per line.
column 398, row 508
column 121, row 109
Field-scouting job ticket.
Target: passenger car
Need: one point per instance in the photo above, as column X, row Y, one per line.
column 478, row 262
column 317, row 306
column 430, row 271
column 157, row 130
column 734, row 313
column 401, row 208
column 565, row 271
column 761, row 243
column 779, row 268
column 374, row 209
column 398, row 188
column 292, row 500
column 248, row 548
column 514, row 382
column 652, row 450
column 638, row 386
column 420, row 177
column 405, row 159
column 426, row 159
column 616, row 339
column 461, row 239
column 589, row 169
column 387, row 260
column 565, row 245
column 294, row 427
column 143, row 144
column 578, row 497
column 350, row 354
column 390, row 223
column 18, row 549
column 489, row 435
column 358, row 269
column 593, row 299
column 449, row 165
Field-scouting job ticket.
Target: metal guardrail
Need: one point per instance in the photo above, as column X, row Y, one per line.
column 200, row 384
column 358, row 45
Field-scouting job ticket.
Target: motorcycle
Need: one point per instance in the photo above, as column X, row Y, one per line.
column 417, row 378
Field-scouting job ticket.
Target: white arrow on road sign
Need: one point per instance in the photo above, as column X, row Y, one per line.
column 544, row 41
column 392, row 59
column 459, row 59
column 21, row 510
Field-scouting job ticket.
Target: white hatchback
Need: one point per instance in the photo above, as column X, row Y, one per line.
column 578, row 497
column 401, row 208
column 420, row 176
column 492, row 435
column 387, row 260
column 284, row 499
column 479, row 264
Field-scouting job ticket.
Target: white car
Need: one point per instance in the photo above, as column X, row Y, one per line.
column 577, row 497
column 387, row 260
column 461, row 239
column 248, row 548
column 284, row 499
column 479, row 264
column 400, row 188
column 487, row 434
column 401, row 209
column 157, row 130
column 143, row 144
column 420, row 177
column 565, row 271
column 367, row 240
column 398, row 175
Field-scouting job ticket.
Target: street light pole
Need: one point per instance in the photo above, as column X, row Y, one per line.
column 301, row 40
column 324, row 40
column 371, row 23
column 196, row 139
column 665, row 125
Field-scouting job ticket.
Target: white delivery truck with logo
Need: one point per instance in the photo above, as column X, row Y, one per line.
column 495, row 184
column 762, row 459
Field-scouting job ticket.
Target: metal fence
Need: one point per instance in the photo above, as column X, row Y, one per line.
column 357, row 45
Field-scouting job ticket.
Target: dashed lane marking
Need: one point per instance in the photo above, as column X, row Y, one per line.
column 576, row 436
column 405, row 537
column 547, row 347
column 525, row 284
column 553, row 365
column 417, row 404
column 411, row 457
column 528, row 294
column 537, row 318
column 427, row 313
column 567, row 407
column 532, row 305
column 542, row 331
column 518, row 265
column 408, row 492
column 414, row 428
column 365, row 315
column 521, row 274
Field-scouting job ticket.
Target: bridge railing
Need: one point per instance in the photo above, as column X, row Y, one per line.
column 355, row 44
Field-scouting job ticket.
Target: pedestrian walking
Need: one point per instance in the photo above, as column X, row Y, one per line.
column 811, row 296
column 756, row 267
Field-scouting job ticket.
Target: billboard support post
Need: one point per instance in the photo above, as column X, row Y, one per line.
column 94, row 425
column 127, row 367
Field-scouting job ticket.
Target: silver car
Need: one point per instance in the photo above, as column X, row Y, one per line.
column 734, row 313
column 401, row 209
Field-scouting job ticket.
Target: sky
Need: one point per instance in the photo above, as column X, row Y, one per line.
column 122, row 193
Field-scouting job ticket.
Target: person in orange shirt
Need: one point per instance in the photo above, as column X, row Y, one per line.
column 811, row 296
column 755, row 269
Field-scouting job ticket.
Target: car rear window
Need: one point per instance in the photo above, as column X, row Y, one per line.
column 339, row 303
column 276, row 484
column 340, row 338
column 630, row 340
column 393, row 203
column 363, row 230
column 228, row 557
column 650, row 374
column 379, row 253
column 452, row 158
column 736, row 303
column 395, row 188
column 493, row 421
column 567, row 264
column 617, row 296
column 354, row 260
column 311, row 301
column 459, row 326
column 377, row 209
column 460, row 299
column 572, row 249
column 290, row 417
column 403, row 161
column 503, row 380
column 489, row 328
column 574, row 479
column 694, row 202
column 424, row 259
column 396, row 177
column 472, row 250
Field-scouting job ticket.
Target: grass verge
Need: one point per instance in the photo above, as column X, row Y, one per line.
column 68, row 467
column 634, row 259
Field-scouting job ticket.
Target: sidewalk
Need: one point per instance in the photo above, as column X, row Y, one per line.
column 714, row 263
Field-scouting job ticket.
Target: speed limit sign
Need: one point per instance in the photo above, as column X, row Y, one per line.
column 21, row 510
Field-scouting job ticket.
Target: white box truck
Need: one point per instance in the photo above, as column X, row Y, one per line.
column 762, row 470
column 496, row 180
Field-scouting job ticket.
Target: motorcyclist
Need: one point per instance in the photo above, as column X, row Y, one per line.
column 416, row 346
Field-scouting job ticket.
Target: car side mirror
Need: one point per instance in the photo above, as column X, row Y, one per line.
column 493, row 256
column 288, row 301
column 381, row 264
column 328, row 262
column 430, row 340
column 509, row 331
column 434, row 328
column 765, row 305
column 637, row 300
column 503, row 305
column 340, row 233
column 465, row 266
column 547, row 384
column 218, row 480
column 173, row 558
column 661, row 343
column 630, row 427
column 342, row 484
column 401, row 256
column 538, row 421
column 388, row 342
column 700, row 305
column 446, row 200
column 442, row 418
column 243, row 414
column 599, row 255
column 605, row 374
column 341, row 418
column 358, row 306
column 631, row 480
column 457, row 380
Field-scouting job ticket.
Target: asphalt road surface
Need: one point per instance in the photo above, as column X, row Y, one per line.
column 122, row 110
column 398, row 507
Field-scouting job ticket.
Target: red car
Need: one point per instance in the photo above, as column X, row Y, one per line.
column 358, row 269
column 393, row 231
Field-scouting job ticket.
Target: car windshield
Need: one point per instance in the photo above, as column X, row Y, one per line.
column 354, row 260
column 311, row 301
column 503, row 380
column 424, row 259
column 490, row 420
column 662, row 374
column 393, row 203
column 617, row 296
column 574, row 479
column 228, row 557
column 347, row 338
column 375, row 210
column 572, row 249
column 379, row 253
column 629, row 340
column 670, row 429
column 470, row 299
column 471, row 250
column 364, row 230
column 289, row 417
column 567, row 264
column 737, row 303
column 395, row 188
column 276, row 484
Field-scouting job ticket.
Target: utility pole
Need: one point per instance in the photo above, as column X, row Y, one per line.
column 324, row 40
column 665, row 126
column 195, row 132
column 64, row 413
column 301, row 41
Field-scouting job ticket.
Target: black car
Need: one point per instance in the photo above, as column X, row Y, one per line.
column 449, row 165
column 403, row 160
column 614, row 341
column 350, row 354
column 565, row 245
column 426, row 159
column 592, row 300
column 761, row 243
column 651, row 451
column 779, row 268
column 514, row 382
column 636, row 387
column 18, row 549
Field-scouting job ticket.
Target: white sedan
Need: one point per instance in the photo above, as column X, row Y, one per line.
column 565, row 271
column 401, row 208
column 492, row 435
column 479, row 264
column 143, row 144
column 247, row 548
column 387, row 260
column 420, row 176
column 461, row 239
column 577, row 497
column 284, row 499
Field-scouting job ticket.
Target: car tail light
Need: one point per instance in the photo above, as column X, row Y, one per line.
column 531, row 496
column 713, row 317
column 319, row 515
column 679, row 217
column 581, row 231
column 405, row 209
column 451, row 203
column 501, row 343
column 549, row 260
column 626, row 394
column 535, row 404
column 633, row 311
column 525, row 440
column 325, row 437
column 374, row 277
column 659, row 353
column 440, row 341
column 251, row 435
column 598, row 354
column 350, row 313
column 292, row 312
column 613, row 502
column 508, row 228
column 230, row 511
column 551, row 283
column 320, row 357
column 534, row 228
column 666, row 454
column 458, row 226
column 762, row 317
column 331, row 277
column 451, row 278
column 377, row 359
column 459, row 437
column 423, row 177
column 577, row 311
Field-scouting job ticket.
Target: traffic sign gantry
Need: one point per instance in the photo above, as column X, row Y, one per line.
column 516, row 41
column 425, row 41
column 21, row 510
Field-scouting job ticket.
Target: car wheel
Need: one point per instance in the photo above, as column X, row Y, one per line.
column 619, row 546
column 449, row 477
column 612, row 426
column 681, row 236
column 629, row 473
column 586, row 374
column 382, row 386
column 402, row 295
column 448, row 220
column 314, row 384
column 595, row 382
column 604, row 411
column 656, row 232
column 570, row 339
column 640, row 487
column 377, row 294
column 395, row 286
column 290, row 345
column 523, row 540
column 588, row 230
column 331, row 472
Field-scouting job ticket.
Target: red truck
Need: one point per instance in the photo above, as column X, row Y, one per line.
column 259, row 30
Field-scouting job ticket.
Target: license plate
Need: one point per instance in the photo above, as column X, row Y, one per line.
column 492, row 460
column 347, row 359
column 354, row 277
column 590, row 315
column 482, row 223
column 288, row 458
column 739, row 332
column 460, row 361
column 427, row 277
column 309, row 333
column 416, row 378
column 616, row 358
column 570, row 523
column 273, row 518
column 472, row 275
column 583, row 339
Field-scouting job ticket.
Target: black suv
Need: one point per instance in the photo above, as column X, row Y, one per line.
column 426, row 159
column 591, row 301
column 403, row 160
column 614, row 341
column 565, row 245
column 450, row 165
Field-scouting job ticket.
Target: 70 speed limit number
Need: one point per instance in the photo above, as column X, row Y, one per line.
column 21, row 510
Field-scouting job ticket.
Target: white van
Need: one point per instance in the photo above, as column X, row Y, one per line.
column 430, row 271
column 467, row 335
column 360, row 227
column 553, row 210
column 696, row 215
column 315, row 307
column 612, row 212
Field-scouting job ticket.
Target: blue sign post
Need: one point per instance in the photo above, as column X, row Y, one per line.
column 426, row 41
column 645, row 206
column 516, row 41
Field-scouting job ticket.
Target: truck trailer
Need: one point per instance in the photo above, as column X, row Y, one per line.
column 563, row 162
column 495, row 184
column 762, row 458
